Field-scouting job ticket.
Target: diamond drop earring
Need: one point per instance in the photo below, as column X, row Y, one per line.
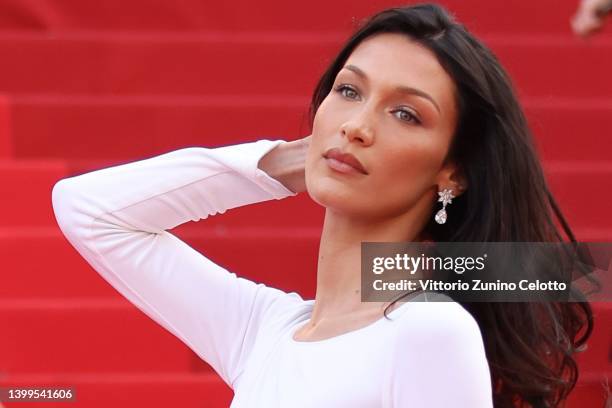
column 446, row 197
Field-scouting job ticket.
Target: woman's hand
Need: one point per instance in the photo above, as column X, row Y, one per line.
column 590, row 16
column 286, row 163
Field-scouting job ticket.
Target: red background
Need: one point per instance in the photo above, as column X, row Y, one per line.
column 86, row 84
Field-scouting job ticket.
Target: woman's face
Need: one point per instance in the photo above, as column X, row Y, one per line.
column 391, row 106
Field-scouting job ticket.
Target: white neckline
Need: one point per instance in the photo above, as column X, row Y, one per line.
column 343, row 335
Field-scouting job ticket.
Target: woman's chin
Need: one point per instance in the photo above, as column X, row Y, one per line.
column 327, row 191
column 335, row 199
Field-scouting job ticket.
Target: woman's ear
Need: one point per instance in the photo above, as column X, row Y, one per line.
column 453, row 177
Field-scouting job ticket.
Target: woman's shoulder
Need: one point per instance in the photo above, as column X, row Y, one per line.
column 439, row 345
column 286, row 306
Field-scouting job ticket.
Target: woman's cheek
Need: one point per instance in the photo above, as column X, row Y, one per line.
column 409, row 172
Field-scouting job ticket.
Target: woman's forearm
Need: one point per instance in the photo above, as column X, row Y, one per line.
column 285, row 163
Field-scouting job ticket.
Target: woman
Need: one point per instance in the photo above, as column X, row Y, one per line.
column 413, row 108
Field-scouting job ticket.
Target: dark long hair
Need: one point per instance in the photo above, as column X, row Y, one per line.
column 507, row 200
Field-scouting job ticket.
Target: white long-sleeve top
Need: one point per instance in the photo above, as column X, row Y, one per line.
column 427, row 355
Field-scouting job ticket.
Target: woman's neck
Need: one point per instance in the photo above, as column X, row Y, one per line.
column 339, row 265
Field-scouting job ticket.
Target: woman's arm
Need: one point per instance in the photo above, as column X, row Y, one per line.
column 117, row 218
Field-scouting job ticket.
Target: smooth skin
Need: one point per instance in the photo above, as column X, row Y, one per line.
column 401, row 138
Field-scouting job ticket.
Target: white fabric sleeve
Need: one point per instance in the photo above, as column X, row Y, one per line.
column 117, row 218
column 438, row 361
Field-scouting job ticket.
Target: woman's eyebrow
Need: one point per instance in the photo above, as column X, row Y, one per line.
column 400, row 88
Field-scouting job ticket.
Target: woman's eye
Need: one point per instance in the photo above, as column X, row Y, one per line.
column 407, row 116
column 351, row 93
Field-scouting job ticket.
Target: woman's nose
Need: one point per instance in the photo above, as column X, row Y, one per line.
column 358, row 130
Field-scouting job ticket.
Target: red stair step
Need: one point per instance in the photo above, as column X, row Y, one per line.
column 152, row 390
column 58, row 270
column 543, row 16
column 190, row 64
column 26, row 191
column 592, row 234
column 579, row 189
column 591, row 391
column 570, row 129
column 281, row 63
column 117, row 128
column 6, row 140
column 87, row 336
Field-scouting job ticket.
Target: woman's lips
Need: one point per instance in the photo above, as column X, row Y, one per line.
column 343, row 162
column 342, row 167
